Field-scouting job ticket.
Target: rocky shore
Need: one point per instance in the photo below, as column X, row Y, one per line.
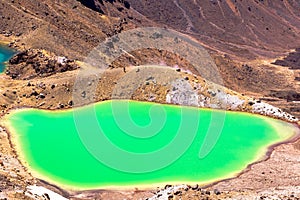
column 34, row 63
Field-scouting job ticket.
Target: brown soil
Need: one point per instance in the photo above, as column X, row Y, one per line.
column 292, row 60
column 244, row 30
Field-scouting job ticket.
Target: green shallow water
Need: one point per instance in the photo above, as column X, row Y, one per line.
column 5, row 55
column 50, row 143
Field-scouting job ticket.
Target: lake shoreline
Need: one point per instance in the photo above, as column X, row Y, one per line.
column 150, row 187
column 267, row 156
column 15, row 108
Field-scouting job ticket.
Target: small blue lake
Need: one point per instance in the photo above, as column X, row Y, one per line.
column 5, row 54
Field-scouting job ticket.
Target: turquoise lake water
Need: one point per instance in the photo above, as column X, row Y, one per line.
column 5, row 54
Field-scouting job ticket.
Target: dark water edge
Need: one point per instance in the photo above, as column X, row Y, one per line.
column 5, row 54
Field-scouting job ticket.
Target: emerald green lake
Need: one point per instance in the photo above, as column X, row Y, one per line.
column 5, row 55
column 54, row 145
